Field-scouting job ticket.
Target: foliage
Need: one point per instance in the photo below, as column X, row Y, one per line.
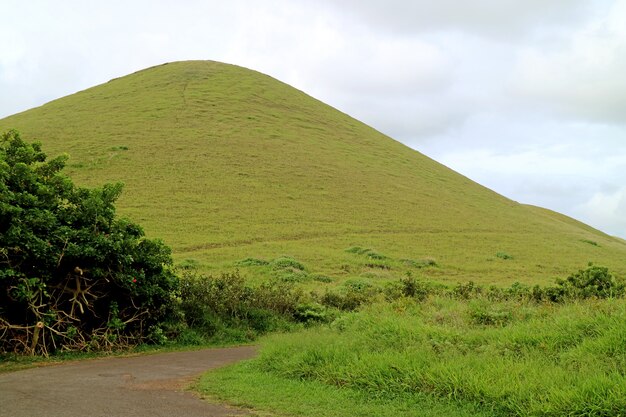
column 286, row 262
column 445, row 347
column 352, row 295
column 504, row 255
column 593, row 282
column 422, row 263
column 251, row 262
column 507, row 358
column 368, row 253
column 408, row 287
column 467, row 290
column 225, row 307
column 72, row 275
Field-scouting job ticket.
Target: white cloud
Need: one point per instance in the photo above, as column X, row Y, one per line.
column 585, row 79
column 387, row 67
column 493, row 18
column 606, row 211
column 558, row 176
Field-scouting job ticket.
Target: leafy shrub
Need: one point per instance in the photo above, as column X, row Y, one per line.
column 517, row 291
column 357, row 250
column 353, row 294
column 421, row 263
column 72, row 275
column 408, row 287
column 375, row 255
column 321, row 278
column 311, row 312
column 226, row 307
column 286, row 262
column 595, row 281
column 504, row 255
column 378, row 265
column 413, row 288
column 251, row 262
column 466, row 291
column 366, row 252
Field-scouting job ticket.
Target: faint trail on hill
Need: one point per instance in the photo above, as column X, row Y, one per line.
column 314, row 236
column 140, row 386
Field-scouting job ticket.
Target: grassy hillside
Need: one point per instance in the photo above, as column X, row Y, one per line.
column 225, row 163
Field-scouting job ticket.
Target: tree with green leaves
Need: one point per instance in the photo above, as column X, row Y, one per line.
column 73, row 276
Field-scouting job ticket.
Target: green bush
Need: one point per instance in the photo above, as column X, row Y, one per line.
column 593, row 282
column 311, row 312
column 357, row 250
column 225, row 307
column 466, row 291
column 72, row 275
column 366, row 252
column 504, row 255
column 354, row 294
column 321, row 278
column 408, row 287
column 251, row 262
column 285, row 262
column 422, row 263
column 378, row 264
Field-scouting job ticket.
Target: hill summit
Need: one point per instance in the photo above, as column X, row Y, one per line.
column 225, row 163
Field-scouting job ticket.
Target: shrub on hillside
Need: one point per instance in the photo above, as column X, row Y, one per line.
column 72, row 275
column 354, row 294
column 286, row 262
column 593, row 282
column 251, row 262
column 221, row 305
column 421, row 263
column 408, row 287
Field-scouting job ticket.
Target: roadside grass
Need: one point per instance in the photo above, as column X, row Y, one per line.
column 224, row 164
column 507, row 358
column 243, row 385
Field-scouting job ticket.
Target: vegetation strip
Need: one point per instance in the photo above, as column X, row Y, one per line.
column 503, row 358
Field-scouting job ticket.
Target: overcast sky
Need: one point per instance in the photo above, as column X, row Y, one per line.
column 527, row 97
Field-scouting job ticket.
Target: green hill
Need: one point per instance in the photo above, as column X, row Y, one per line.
column 225, row 163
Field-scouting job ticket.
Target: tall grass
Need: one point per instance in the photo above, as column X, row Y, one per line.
column 510, row 357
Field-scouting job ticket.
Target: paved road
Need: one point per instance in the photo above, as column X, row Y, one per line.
column 141, row 386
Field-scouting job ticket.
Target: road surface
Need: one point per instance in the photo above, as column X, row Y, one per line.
column 139, row 386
